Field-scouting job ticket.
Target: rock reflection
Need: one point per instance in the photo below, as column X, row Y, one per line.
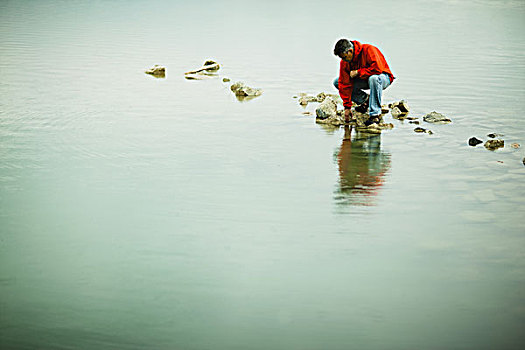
column 362, row 168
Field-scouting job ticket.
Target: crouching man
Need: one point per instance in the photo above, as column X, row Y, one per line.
column 362, row 67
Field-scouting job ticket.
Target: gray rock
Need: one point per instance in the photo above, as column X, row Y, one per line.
column 493, row 145
column 436, row 118
column 156, row 70
column 327, row 109
column 240, row 89
column 473, row 141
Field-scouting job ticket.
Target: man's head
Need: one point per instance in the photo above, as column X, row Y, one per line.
column 344, row 49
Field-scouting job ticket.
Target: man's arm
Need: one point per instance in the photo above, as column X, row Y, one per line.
column 373, row 56
column 346, row 85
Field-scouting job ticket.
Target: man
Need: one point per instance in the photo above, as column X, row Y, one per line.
column 362, row 67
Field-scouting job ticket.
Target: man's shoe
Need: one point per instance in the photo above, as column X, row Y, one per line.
column 363, row 107
column 372, row 120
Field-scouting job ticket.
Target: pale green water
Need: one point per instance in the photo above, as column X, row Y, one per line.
column 143, row 213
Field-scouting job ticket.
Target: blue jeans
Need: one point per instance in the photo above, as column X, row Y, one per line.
column 376, row 84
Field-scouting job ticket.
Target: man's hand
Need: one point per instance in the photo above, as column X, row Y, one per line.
column 348, row 115
column 353, row 74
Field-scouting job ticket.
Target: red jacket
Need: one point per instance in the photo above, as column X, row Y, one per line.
column 367, row 60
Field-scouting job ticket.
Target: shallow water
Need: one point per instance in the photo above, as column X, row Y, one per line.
column 163, row 213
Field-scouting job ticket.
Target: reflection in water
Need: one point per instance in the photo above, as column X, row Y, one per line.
column 362, row 168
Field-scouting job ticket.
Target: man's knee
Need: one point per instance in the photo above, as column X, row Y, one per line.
column 336, row 83
column 373, row 80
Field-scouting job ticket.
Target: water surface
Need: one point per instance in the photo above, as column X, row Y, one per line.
column 163, row 213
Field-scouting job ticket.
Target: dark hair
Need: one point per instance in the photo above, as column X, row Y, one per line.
column 342, row 46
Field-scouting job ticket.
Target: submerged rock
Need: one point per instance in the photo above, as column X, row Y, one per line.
column 240, row 89
column 493, row 145
column 225, row 80
column 305, row 99
column 157, row 71
column 474, row 141
column 436, row 118
column 494, row 135
column 515, row 145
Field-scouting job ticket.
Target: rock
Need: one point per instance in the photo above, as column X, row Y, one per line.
column 430, row 132
column 412, row 118
column 240, row 89
column 327, row 113
column 305, row 99
column 523, row 161
column 384, row 109
column 414, row 122
column 156, row 70
column 397, row 114
column 307, row 113
column 225, row 80
column 436, row 118
column 327, row 109
column 320, row 97
column 401, row 105
column 493, row 145
column 515, row 145
column 494, row 135
column 418, row 129
column 474, row 141
column 208, row 66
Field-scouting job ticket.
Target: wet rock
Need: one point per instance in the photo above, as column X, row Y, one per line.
column 375, row 128
column 515, row 145
column 523, row 160
column 430, row 132
column 474, row 141
column 307, row 113
column 397, row 113
column 305, row 99
column 412, row 118
column 384, row 109
column 436, row 118
column 401, row 105
column 157, row 71
column 418, row 129
column 327, row 109
column 494, row 135
column 414, row 122
column 208, row 66
column 240, row 89
column 493, row 145
column 225, row 80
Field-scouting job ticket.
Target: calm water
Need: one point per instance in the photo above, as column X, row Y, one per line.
column 143, row 213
